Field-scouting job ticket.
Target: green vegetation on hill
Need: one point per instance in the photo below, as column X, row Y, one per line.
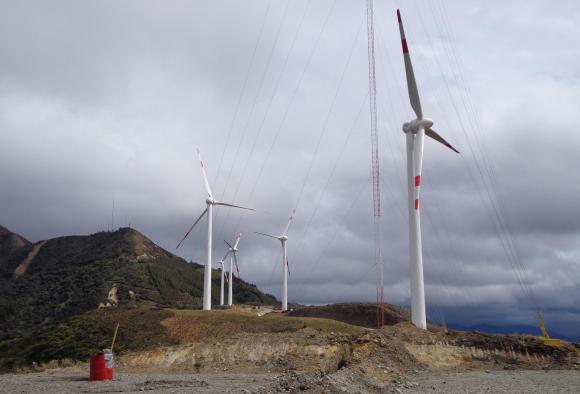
column 72, row 275
column 79, row 337
column 12, row 247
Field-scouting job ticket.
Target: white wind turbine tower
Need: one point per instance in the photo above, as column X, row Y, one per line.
column 416, row 131
column 233, row 258
column 210, row 201
column 283, row 238
column 222, row 275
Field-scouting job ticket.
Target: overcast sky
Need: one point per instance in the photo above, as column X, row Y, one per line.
column 107, row 101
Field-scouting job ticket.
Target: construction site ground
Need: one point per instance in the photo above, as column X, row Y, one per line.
column 75, row 380
column 245, row 350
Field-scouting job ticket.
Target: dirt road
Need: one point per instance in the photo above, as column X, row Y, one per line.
column 75, row 380
column 497, row 382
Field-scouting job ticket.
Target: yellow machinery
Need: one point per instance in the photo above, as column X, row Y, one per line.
column 547, row 340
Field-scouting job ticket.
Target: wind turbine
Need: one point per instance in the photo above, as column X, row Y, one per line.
column 283, row 238
column 416, row 131
column 210, row 202
column 221, row 262
column 233, row 258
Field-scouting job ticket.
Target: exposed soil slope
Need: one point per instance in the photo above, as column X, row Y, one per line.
column 310, row 353
column 12, row 247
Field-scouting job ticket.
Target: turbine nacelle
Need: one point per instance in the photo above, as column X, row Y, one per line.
column 414, row 125
column 283, row 238
column 210, row 201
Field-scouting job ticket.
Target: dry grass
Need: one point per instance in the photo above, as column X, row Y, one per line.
column 193, row 326
column 329, row 325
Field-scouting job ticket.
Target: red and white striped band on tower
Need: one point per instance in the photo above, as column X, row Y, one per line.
column 417, row 185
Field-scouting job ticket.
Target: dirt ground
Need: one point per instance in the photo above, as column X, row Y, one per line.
column 75, row 380
column 475, row 382
column 239, row 352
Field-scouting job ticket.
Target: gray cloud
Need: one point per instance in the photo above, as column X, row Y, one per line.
column 108, row 100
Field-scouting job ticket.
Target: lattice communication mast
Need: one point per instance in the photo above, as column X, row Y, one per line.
column 375, row 166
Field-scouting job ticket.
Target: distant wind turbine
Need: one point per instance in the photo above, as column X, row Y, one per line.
column 283, row 238
column 222, row 275
column 210, row 201
column 233, row 251
column 416, row 131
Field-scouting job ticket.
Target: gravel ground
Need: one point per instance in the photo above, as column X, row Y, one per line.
column 553, row 381
column 75, row 380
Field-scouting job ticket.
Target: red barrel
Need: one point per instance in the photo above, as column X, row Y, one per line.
column 101, row 366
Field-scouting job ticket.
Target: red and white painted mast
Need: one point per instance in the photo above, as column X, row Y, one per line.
column 415, row 131
column 375, row 162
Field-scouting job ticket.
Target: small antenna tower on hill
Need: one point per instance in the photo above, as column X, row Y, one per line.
column 113, row 216
column 375, row 165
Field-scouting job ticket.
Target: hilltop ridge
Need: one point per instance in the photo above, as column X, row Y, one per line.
column 10, row 243
column 65, row 276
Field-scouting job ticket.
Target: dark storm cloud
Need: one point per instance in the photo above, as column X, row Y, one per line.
column 103, row 101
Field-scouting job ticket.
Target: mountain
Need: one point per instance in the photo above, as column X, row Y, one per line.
column 62, row 277
column 10, row 244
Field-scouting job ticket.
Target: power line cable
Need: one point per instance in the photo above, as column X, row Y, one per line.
column 242, row 92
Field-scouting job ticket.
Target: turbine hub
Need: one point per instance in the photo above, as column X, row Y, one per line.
column 414, row 125
column 283, row 238
column 210, row 201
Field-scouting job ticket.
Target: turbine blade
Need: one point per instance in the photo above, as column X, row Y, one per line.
column 411, row 83
column 227, row 243
column 224, row 259
column 288, row 266
column 289, row 222
column 207, row 188
column 431, row 133
column 191, row 228
column 233, row 206
column 266, row 235
column 237, row 240
column 236, row 263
